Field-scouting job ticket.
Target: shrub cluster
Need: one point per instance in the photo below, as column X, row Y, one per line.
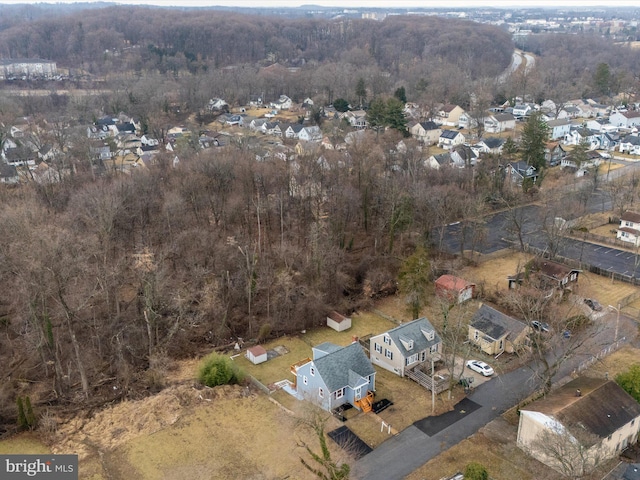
column 217, row 369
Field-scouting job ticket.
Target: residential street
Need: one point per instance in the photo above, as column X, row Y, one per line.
column 411, row 448
column 499, row 237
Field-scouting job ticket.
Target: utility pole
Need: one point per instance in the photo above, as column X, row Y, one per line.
column 615, row 335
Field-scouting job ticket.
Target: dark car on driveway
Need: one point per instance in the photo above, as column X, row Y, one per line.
column 593, row 304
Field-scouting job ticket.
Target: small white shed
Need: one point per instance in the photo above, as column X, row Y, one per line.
column 256, row 354
column 338, row 322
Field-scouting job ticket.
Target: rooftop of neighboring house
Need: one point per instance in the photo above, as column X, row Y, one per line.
column 451, row 282
column 559, row 122
column 594, row 405
column 503, row 117
column 495, row 324
column 552, row 269
column 630, row 216
column 415, row 330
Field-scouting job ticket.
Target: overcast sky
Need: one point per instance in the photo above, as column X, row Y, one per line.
column 365, row 3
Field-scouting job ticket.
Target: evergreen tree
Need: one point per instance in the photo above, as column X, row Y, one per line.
column 387, row 114
column 395, row 115
column 602, row 79
column 341, row 105
column 414, row 278
column 401, row 94
column 534, row 139
column 376, row 115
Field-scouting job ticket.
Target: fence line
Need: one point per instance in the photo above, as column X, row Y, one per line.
column 380, row 313
column 601, row 354
column 585, row 266
column 254, row 381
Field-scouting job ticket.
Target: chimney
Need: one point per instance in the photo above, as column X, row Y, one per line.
column 354, row 339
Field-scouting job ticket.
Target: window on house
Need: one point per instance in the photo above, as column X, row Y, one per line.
column 388, row 354
column 387, row 340
column 377, row 347
column 501, row 345
column 321, row 393
column 312, row 371
column 305, row 380
column 433, row 348
column 339, row 393
column 475, row 336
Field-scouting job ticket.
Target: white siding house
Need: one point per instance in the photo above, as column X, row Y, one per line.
column 629, row 229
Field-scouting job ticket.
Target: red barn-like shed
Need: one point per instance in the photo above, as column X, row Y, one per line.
column 454, row 288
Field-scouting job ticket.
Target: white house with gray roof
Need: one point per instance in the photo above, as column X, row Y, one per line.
column 450, row 138
column 559, row 128
column 406, row 346
column 336, row 376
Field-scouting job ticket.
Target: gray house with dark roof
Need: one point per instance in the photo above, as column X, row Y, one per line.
column 405, row 347
column 336, row 376
column 495, row 332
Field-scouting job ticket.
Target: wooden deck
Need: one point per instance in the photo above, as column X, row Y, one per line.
column 440, row 382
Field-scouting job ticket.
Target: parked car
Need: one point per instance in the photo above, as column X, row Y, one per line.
column 593, row 304
column 480, row 367
column 540, row 326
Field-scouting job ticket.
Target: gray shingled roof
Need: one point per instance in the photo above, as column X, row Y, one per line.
column 503, row 117
column 602, row 409
column 344, row 366
column 495, row 324
column 443, row 158
column 413, row 330
column 559, row 122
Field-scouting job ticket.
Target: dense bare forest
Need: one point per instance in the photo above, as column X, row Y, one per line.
column 108, row 279
column 142, row 38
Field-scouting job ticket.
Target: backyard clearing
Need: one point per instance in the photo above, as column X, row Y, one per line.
column 493, row 275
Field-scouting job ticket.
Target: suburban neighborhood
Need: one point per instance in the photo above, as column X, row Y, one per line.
column 321, row 242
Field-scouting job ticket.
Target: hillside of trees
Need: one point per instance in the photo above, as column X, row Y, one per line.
column 145, row 39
